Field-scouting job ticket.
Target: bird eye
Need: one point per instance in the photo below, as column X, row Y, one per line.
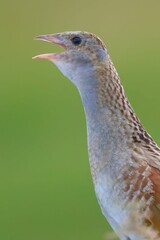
column 76, row 40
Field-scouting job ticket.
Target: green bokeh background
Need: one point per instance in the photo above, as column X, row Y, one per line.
column 46, row 190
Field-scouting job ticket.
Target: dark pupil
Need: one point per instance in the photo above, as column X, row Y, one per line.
column 76, row 40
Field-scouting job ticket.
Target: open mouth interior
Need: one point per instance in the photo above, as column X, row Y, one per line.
column 50, row 39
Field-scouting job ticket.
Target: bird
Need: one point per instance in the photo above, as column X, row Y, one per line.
column 124, row 159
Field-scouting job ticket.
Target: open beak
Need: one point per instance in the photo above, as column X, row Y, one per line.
column 52, row 38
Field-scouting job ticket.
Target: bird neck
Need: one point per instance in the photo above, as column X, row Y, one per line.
column 112, row 126
column 104, row 101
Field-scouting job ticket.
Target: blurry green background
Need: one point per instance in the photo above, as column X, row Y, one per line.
column 46, row 190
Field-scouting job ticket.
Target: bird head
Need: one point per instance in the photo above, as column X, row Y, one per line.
column 83, row 53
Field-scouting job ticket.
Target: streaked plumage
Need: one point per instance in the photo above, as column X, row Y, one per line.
column 124, row 159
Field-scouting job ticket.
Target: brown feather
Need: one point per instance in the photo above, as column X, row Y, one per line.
column 155, row 208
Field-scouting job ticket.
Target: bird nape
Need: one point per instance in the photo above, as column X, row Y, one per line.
column 124, row 159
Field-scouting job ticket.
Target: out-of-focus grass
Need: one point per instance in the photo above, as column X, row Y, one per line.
column 45, row 184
